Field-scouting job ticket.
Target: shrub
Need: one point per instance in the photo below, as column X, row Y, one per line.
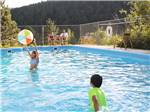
column 100, row 37
column 115, row 39
column 88, row 40
column 140, row 24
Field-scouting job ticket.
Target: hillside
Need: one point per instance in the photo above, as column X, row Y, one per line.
column 67, row 12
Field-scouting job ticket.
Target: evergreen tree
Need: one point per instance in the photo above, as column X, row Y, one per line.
column 139, row 16
column 51, row 27
column 71, row 38
column 68, row 12
column 9, row 29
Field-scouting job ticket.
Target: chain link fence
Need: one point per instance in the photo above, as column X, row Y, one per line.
column 111, row 27
column 40, row 33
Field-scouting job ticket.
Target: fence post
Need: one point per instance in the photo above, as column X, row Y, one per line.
column 43, row 35
column 80, row 30
column 98, row 24
column 80, row 33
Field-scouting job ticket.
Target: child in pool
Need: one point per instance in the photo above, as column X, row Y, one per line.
column 34, row 58
column 96, row 95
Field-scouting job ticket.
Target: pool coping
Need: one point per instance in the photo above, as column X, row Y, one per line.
column 129, row 50
column 109, row 48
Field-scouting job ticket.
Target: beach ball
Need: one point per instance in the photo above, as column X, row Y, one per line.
column 25, row 37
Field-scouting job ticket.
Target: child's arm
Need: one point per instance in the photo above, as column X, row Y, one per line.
column 28, row 51
column 37, row 54
column 34, row 42
column 95, row 102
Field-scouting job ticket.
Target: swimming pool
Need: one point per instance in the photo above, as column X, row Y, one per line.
column 62, row 80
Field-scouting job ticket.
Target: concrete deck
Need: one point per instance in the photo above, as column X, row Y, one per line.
column 117, row 48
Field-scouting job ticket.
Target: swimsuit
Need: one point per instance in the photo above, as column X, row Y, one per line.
column 34, row 61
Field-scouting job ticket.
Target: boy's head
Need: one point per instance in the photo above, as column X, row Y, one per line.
column 96, row 80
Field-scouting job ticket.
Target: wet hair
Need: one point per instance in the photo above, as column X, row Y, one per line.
column 34, row 52
column 9, row 51
column 55, row 48
column 96, row 80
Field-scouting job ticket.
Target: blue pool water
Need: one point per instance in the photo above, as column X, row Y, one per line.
column 62, row 80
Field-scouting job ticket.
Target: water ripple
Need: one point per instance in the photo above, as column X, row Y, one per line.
column 62, row 81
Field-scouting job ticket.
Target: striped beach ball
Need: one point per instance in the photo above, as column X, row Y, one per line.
column 25, row 37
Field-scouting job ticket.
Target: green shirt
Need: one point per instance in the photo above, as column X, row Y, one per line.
column 100, row 96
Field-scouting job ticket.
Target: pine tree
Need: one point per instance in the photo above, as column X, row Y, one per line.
column 9, row 29
column 71, row 38
column 51, row 27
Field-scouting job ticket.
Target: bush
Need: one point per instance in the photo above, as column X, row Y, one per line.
column 100, row 37
column 114, row 40
column 141, row 42
column 140, row 29
column 105, row 41
column 88, row 40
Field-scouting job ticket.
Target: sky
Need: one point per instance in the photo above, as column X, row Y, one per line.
column 19, row 3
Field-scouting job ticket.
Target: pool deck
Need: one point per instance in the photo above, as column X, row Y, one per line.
column 117, row 48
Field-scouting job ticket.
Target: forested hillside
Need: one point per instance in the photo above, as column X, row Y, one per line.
column 68, row 12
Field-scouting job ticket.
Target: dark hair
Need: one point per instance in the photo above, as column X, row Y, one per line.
column 9, row 51
column 96, row 80
column 34, row 52
column 55, row 48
